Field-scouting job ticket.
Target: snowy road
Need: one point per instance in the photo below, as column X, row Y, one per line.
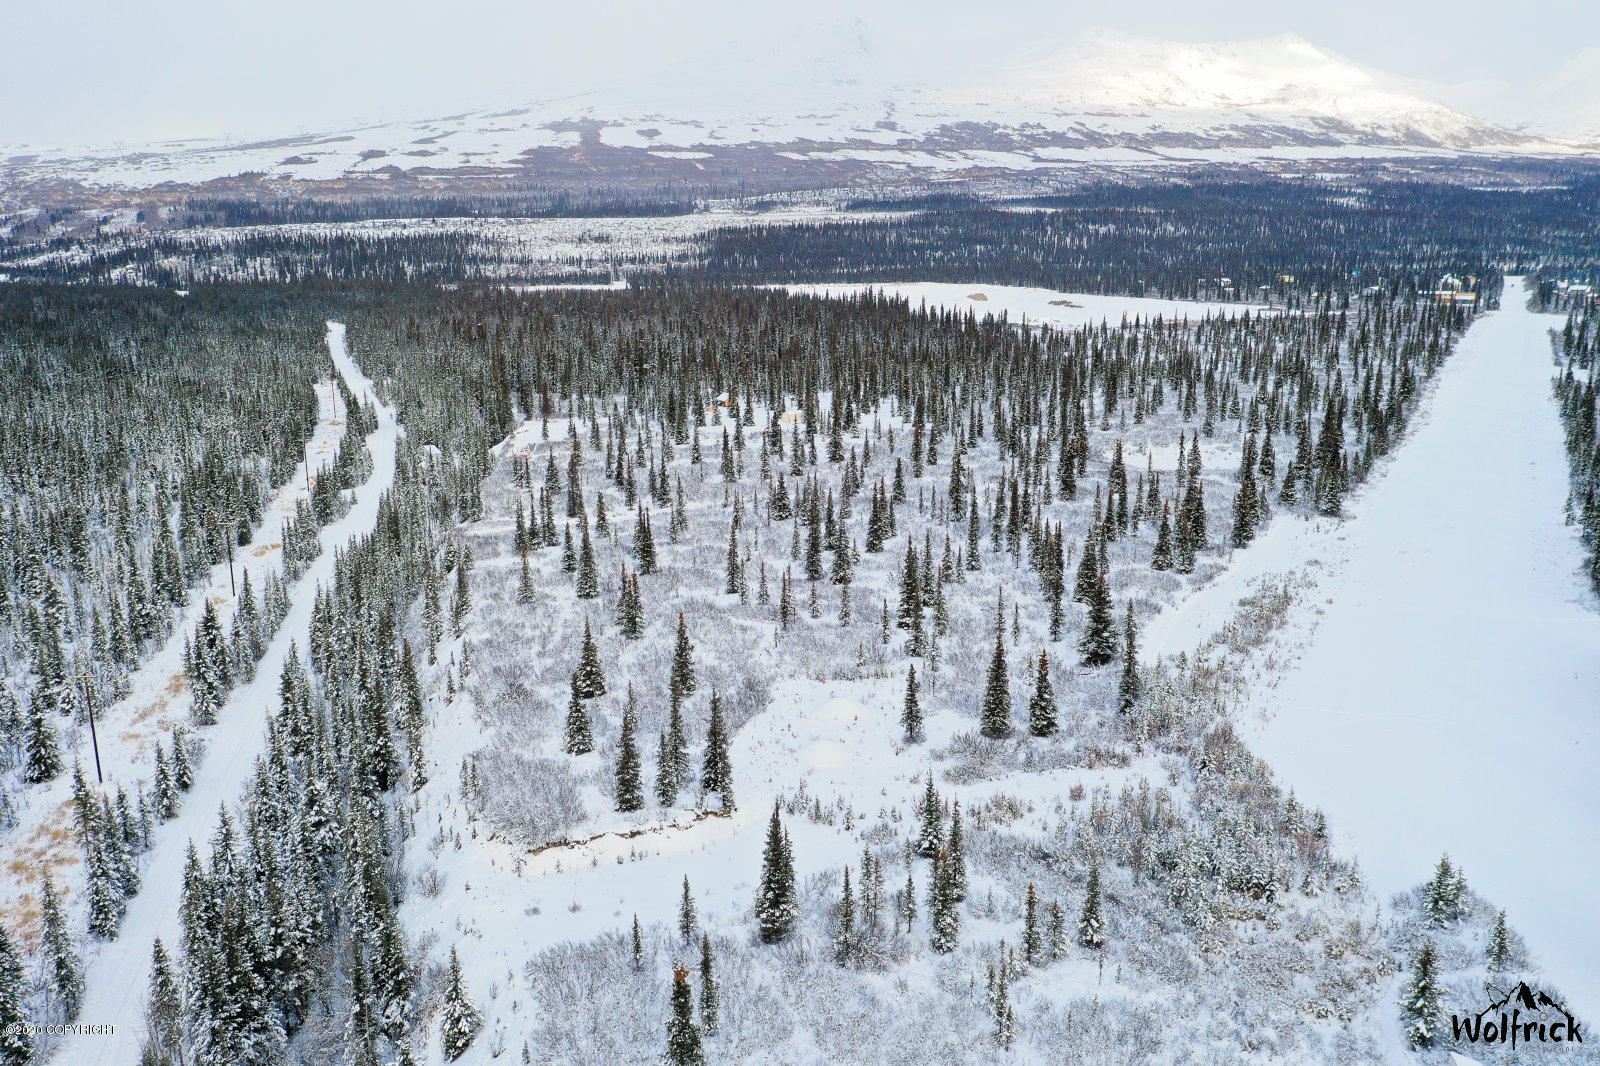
column 1446, row 694
column 117, row 975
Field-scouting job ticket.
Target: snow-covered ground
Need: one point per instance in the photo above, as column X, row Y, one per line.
column 117, row 973
column 1033, row 306
column 1436, row 691
column 157, row 700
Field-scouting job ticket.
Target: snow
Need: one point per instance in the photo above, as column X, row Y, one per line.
column 1441, row 696
column 847, row 87
column 1035, row 306
column 116, row 977
column 157, row 698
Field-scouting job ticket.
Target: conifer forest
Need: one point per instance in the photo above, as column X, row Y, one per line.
column 678, row 626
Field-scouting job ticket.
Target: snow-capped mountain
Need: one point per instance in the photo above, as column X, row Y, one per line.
column 841, row 97
column 1563, row 105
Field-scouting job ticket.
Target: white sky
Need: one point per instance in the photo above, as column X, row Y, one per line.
column 93, row 71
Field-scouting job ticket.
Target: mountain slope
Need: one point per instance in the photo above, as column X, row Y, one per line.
column 841, row 95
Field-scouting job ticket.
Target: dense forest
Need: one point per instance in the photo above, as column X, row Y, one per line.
column 827, row 610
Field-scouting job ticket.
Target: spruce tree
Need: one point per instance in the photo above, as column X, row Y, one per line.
column 716, row 771
column 589, row 681
column 846, row 941
column 1042, row 717
column 1420, row 1004
column 911, row 711
column 777, row 906
column 629, row 792
column 1130, row 687
column 956, row 856
column 164, row 1008
column 16, row 1046
column 64, row 969
column 1498, row 950
column 687, row 921
column 1091, row 923
column 1032, row 935
column 1444, row 894
column 43, row 750
column 930, row 816
column 995, row 714
column 709, row 1007
column 588, row 576
column 579, row 738
column 944, row 912
column 461, row 1018
column 1098, row 645
column 682, row 683
column 683, row 1036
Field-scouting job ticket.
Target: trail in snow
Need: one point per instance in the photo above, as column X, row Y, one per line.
column 1447, row 682
column 157, row 700
column 117, row 976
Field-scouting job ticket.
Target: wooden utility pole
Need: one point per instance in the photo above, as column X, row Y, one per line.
column 94, row 736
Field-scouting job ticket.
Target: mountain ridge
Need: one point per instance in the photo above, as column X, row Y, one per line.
column 836, row 95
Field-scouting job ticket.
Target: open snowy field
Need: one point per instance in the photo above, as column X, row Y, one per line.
column 1438, row 687
column 1024, row 304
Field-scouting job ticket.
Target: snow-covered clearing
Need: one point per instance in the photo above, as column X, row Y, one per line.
column 1033, row 306
column 1441, row 679
column 116, row 976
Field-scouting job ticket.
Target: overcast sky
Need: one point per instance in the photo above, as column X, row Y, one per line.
column 93, row 71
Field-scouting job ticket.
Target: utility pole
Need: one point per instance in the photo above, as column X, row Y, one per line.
column 94, row 736
column 227, row 543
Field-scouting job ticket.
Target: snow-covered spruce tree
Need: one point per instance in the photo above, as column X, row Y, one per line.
column 16, row 1046
column 994, row 716
column 1098, row 645
column 461, row 1018
column 930, row 816
column 1032, row 935
column 163, row 1010
column 1001, row 1011
column 846, row 939
column 629, row 791
column 1130, row 687
column 688, row 921
column 716, row 771
column 43, row 761
column 911, row 710
column 579, row 738
column 681, row 684
column 630, row 607
column 777, row 905
column 588, row 582
column 956, row 856
column 1420, row 1004
column 683, row 1035
column 63, row 968
column 462, row 604
column 1444, row 894
column 1056, row 932
column 1043, row 720
column 1497, row 953
column 589, row 680
column 944, row 910
column 1091, row 923
column 1161, row 555
column 709, row 1006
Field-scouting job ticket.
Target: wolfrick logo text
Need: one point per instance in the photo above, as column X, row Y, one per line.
column 1521, row 1015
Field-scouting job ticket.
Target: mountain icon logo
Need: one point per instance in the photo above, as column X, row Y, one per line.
column 1520, row 1014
